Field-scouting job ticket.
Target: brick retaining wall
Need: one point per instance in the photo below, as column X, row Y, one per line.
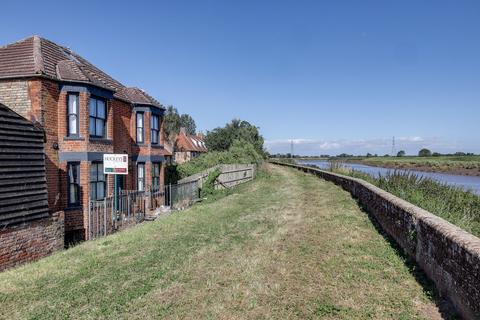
column 31, row 241
column 448, row 255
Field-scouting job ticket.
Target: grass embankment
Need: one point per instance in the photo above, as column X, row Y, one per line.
column 453, row 204
column 463, row 165
column 287, row 245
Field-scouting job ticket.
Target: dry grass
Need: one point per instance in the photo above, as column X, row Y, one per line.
column 286, row 246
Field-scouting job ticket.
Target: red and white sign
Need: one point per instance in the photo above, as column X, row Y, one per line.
column 115, row 163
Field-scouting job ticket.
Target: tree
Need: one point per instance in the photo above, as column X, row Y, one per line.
column 401, row 153
column 424, row 153
column 187, row 122
column 173, row 121
column 222, row 138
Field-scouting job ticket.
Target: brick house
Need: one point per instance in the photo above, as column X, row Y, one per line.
column 85, row 113
column 188, row 146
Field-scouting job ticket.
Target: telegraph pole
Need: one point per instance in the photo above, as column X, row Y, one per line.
column 393, row 147
column 291, row 148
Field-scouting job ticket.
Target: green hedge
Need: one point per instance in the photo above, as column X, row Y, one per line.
column 240, row 152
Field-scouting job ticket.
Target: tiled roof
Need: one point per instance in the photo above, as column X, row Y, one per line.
column 36, row 56
column 137, row 96
column 187, row 142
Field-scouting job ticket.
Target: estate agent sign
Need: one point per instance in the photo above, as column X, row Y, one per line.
column 115, row 164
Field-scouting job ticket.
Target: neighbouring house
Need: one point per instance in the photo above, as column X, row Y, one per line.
column 85, row 113
column 28, row 229
column 188, row 146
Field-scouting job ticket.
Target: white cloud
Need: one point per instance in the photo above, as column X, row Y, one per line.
column 379, row 146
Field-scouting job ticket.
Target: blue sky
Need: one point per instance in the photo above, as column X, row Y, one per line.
column 335, row 76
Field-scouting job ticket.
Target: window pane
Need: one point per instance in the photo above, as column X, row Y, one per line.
column 93, row 172
column 100, row 175
column 154, row 122
column 140, row 171
column 154, row 136
column 93, row 193
column 99, row 127
column 93, row 107
column 139, row 135
column 92, row 126
column 72, row 124
column 72, row 104
column 100, row 109
column 139, row 120
column 100, row 190
column 72, row 198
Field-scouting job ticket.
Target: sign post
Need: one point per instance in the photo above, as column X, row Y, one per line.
column 116, row 164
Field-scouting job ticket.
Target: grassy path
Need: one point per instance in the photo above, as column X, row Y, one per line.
column 285, row 246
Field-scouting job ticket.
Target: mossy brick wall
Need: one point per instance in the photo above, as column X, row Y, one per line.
column 27, row 242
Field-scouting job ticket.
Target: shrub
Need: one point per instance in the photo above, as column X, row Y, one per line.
column 240, row 152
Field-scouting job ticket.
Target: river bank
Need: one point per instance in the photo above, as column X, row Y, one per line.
column 474, row 172
column 456, row 166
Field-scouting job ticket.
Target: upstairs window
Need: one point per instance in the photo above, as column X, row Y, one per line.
column 140, row 128
column 98, row 116
column 141, row 177
column 72, row 109
column 73, row 179
column 155, row 129
column 156, row 175
column 97, row 181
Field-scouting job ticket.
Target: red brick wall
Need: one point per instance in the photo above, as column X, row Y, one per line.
column 123, row 138
column 31, row 241
column 44, row 95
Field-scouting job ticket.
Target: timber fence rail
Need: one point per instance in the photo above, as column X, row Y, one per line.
column 230, row 175
column 448, row 255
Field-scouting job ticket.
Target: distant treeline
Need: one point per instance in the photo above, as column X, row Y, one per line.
column 401, row 153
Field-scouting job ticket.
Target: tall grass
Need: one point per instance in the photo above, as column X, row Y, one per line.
column 453, row 204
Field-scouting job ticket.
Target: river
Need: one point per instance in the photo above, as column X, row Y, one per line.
column 466, row 182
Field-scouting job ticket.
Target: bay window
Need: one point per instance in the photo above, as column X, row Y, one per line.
column 72, row 109
column 98, row 117
column 140, row 127
column 155, row 129
column 73, row 180
column 97, row 181
column 141, row 176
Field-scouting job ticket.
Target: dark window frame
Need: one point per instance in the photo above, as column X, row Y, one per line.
column 75, row 183
column 155, row 176
column 142, row 127
column 77, row 115
column 97, row 181
column 96, row 117
column 141, row 164
column 155, row 130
